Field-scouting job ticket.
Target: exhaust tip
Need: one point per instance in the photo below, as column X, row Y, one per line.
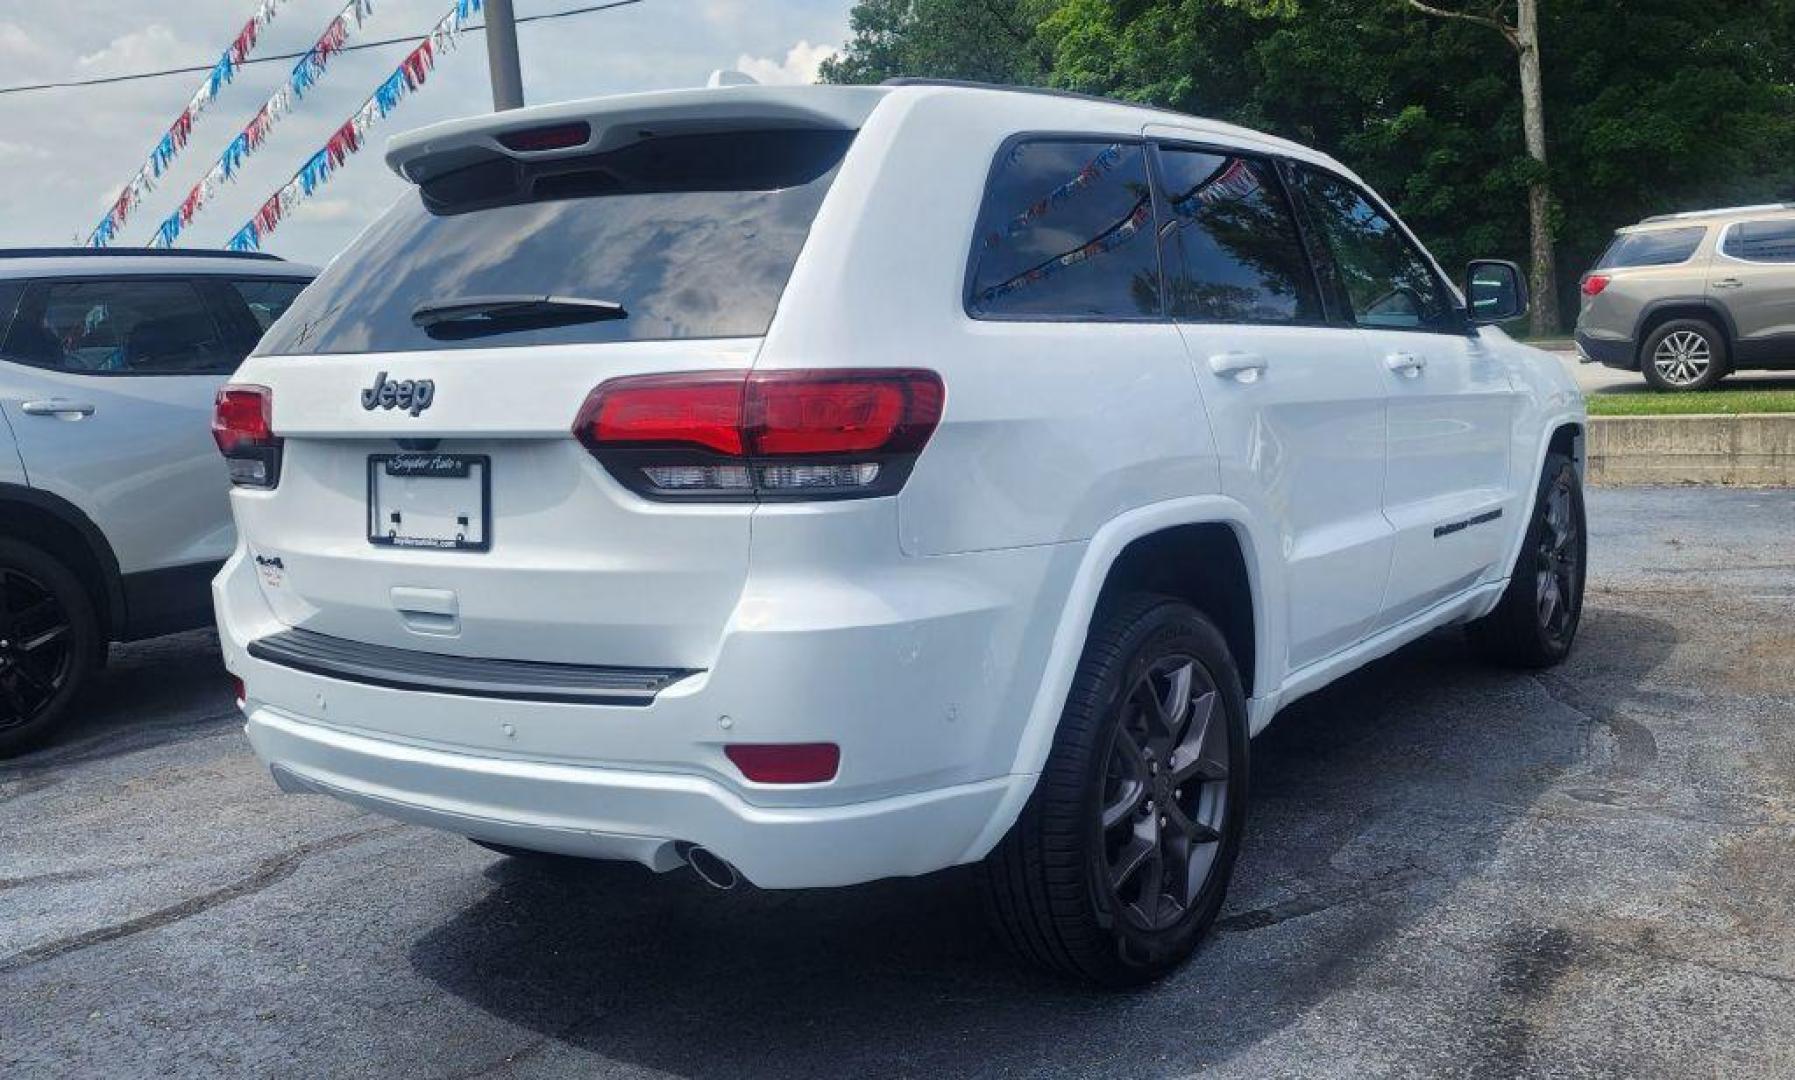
column 711, row 869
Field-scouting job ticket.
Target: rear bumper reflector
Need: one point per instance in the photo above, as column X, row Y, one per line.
column 517, row 680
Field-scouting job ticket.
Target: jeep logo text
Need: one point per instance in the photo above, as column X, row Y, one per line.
column 414, row 396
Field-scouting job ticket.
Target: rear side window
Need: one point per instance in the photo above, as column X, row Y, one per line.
column 1762, row 241
column 139, row 326
column 1660, row 247
column 267, row 299
column 1389, row 284
column 1231, row 247
column 692, row 236
column 1066, row 232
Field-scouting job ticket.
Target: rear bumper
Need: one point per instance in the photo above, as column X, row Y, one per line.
column 621, row 814
column 923, row 673
column 1607, row 351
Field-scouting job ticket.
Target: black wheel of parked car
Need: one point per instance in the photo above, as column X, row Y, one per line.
column 1537, row 618
column 49, row 640
column 1120, row 860
column 1684, row 354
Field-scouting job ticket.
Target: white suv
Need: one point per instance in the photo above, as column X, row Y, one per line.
column 821, row 484
column 114, row 513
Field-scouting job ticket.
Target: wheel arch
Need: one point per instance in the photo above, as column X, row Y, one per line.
column 61, row 529
column 1124, row 553
column 1659, row 312
column 1567, row 434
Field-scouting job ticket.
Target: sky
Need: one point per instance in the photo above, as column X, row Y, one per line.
column 64, row 154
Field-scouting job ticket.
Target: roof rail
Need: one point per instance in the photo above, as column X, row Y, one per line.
column 1044, row 91
column 85, row 252
column 1717, row 212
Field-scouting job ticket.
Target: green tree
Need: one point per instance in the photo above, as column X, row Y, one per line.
column 981, row 40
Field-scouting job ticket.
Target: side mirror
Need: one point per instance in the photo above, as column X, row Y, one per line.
column 1496, row 291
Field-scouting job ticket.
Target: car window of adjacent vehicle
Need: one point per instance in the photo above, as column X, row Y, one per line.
column 1762, row 241
column 1658, row 247
column 139, row 326
column 267, row 298
column 690, row 236
column 1389, row 283
column 1066, row 232
column 1230, row 244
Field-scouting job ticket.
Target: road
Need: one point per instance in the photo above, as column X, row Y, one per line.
column 1449, row 870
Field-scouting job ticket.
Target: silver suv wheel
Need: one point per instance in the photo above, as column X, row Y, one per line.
column 1683, row 357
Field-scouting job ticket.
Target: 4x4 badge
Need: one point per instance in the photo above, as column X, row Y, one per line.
column 412, row 395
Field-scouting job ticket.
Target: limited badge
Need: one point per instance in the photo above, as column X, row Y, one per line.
column 273, row 571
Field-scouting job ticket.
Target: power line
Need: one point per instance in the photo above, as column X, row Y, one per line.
column 408, row 39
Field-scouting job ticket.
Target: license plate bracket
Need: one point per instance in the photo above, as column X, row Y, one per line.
column 440, row 502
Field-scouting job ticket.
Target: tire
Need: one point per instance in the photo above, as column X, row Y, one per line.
column 49, row 642
column 1684, row 354
column 1550, row 573
column 1049, row 883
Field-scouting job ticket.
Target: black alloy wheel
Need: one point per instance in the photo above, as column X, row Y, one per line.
column 36, row 653
column 49, row 643
column 1165, row 794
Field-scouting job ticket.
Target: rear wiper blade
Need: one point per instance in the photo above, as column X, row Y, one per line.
column 471, row 315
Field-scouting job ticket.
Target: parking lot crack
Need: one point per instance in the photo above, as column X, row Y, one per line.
column 1320, row 900
column 270, row 871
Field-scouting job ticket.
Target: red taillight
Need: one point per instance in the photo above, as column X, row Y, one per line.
column 786, row 763
column 667, row 410
column 1594, row 284
column 237, row 691
column 243, row 428
column 555, row 137
column 776, row 434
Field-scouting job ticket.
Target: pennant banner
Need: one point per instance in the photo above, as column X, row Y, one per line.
column 175, row 139
column 303, row 77
column 352, row 136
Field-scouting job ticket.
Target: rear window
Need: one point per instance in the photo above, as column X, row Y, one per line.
column 1762, row 241
column 1660, row 247
column 694, row 236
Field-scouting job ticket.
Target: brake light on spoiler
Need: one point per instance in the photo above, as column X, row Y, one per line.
column 766, row 435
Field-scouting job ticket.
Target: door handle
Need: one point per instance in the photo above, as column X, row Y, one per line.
column 1729, row 283
column 1405, row 363
column 57, row 407
column 1243, row 367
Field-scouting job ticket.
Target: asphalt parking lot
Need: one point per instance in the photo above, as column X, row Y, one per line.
column 1449, row 871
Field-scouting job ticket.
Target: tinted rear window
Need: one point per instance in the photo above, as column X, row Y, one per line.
column 1661, row 247
column 1762, row 241
column 1066, row 232
column 695, row 236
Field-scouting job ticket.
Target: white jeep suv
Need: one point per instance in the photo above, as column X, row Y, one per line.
column 818, row 484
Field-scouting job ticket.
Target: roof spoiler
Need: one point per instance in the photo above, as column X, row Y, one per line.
column 604, row 124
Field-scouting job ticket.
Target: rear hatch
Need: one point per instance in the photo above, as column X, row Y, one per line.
column 1638, row 259
column 428, row 492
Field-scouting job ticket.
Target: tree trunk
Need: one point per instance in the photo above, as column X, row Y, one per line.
column 1539, row 193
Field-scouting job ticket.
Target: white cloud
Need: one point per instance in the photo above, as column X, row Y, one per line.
column 23, row 150
column 800, row 64
column 150, row 47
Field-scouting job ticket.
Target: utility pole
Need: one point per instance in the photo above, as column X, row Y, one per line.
column 501, row 56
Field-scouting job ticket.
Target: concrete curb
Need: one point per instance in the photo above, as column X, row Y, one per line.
column 1753, row 450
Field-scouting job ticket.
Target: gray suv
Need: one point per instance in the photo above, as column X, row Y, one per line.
column 1687, row 298
column 114, row 508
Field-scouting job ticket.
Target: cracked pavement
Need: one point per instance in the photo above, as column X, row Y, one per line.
column 1449, row 871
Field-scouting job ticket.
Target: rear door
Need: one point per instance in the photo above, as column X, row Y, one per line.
column 108, row 386
column 1296, row 404
column 431, row 494
column 1450, row 400
column 1753, row 276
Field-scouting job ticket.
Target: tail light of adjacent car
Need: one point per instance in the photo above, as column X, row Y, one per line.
column 1593, row 284
column 243, row 428
column 766, row 435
